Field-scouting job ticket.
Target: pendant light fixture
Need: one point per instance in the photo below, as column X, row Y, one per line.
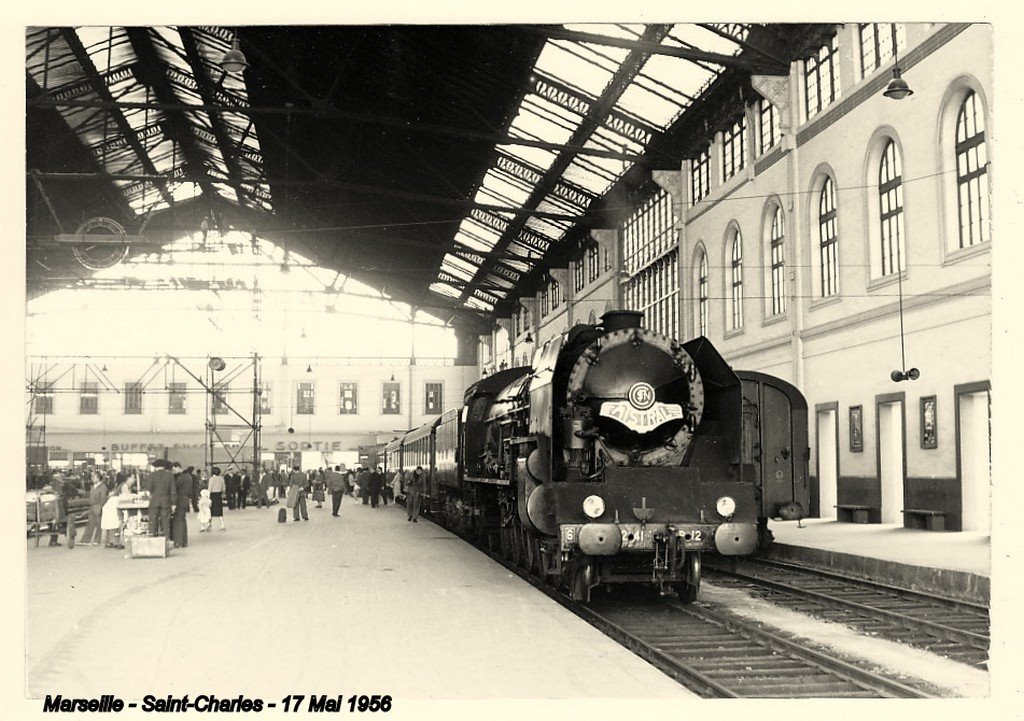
column 897, row 88
column 234, row 60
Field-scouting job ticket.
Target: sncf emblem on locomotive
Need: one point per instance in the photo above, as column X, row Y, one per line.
column 641, row 413
column 641, row 395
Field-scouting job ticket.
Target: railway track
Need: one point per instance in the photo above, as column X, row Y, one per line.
column 716, row 654
column 954, row 629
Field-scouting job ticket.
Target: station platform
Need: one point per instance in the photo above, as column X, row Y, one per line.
column 956, row 565
column 362, row 604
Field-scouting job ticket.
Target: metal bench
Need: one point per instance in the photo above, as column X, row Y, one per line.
column 924, row 518
column 851, row 513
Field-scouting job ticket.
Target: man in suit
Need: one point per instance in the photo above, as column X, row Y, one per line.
column 182, row 497
column 260, row 488
column 297, row 481
column 336, row 485
column 363, row 481
column 161, row 491
column 245, row 485
column 413, row 492
column 97, row 497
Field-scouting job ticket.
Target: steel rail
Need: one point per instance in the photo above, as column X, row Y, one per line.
column 939, row 630
column 952, row 602
column 693, row 678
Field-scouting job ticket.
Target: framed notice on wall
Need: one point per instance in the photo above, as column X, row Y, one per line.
column 856, row 429
column 929, row 423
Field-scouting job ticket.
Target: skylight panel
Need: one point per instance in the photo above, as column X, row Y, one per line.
column 479, row 304
column 458, row 266
column 529, row 123
column 445, row 289
column 651, row 106
column 568, row 63
column 705, row 39
column 514, row 193
column 537, row 157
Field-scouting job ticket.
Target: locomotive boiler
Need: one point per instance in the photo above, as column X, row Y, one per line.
column 619, row 456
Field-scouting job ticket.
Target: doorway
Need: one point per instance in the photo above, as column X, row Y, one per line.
column 891, row 455
column 827, row 444
column 974, row 453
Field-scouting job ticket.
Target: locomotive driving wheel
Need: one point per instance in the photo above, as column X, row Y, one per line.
column 689, row 588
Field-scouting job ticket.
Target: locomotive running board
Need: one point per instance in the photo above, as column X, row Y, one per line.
column 491, row 481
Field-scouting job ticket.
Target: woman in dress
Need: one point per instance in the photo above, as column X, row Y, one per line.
column 216, row 488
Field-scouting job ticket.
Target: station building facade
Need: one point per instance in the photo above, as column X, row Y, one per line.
column 314, row 409
column 829, row 235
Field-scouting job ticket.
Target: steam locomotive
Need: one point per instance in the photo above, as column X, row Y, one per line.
column 619, row 456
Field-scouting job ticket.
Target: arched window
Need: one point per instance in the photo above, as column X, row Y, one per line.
column 702, row 294
column 736, row 283
column 972, row 173
column 828, row 239
column 778, row 258
column 890, row 198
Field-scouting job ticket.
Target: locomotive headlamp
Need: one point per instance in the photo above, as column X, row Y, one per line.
column 725, row 506
column 593, row 506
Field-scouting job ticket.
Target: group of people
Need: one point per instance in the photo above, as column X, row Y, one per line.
column 172, row 490
column 370, row 484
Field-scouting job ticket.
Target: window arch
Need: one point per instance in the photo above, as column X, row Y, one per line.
column 777, row 261
column 735, row 281
column 828, row 240
column 971, row 172
column 890, row 199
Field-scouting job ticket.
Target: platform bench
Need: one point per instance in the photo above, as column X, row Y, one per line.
column 923, row 518
column 852, row 513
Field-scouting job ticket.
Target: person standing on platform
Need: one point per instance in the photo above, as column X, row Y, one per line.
column 110, row 520
column 280, row 478
column 375, row 483
column 230, row 487
column 161, row 491
column 396, row 483
column 297, row 485
column 243, row 490
column 194, row 493
column 413, row 491
column 64, row 492
column 204, row 511
column 182, row 497
column 216, row 488
column 385, row 487
column 336, row 485
column 97, row 497
column 363, row 481
column 260, row 488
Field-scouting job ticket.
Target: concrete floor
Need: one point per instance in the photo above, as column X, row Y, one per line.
column 957, row 551
column 365, row 603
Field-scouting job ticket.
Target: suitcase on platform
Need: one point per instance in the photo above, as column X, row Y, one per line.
column 282, row 515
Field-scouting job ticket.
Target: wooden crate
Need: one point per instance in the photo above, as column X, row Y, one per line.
column 148, row 547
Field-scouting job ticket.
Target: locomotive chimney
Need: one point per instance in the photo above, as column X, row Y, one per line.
column 619, row 319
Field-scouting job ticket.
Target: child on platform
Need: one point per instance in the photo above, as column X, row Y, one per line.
column 205, row 515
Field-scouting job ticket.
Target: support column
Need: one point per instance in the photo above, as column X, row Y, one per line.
column 564, row 279
column 674, row 183
column 504, row 323
column 466, row 348
column 608, row 240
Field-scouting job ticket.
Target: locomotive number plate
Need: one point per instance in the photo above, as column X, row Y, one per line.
column 641, row 421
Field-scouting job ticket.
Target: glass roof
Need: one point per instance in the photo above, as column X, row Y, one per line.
column 132, row 141
column 568, row 79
